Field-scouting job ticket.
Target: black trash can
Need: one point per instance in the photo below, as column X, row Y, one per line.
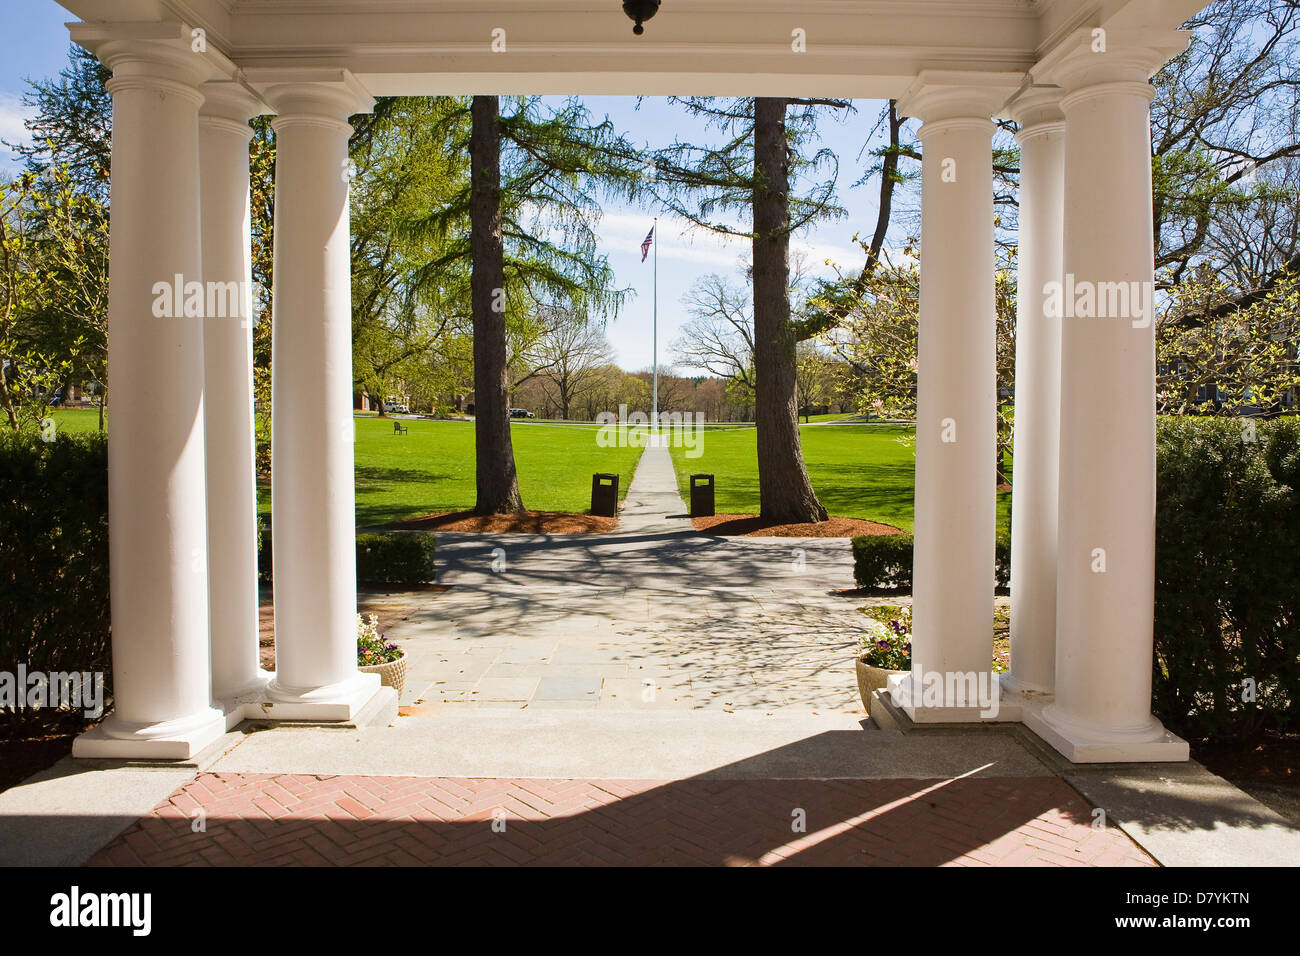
column 604, row 495
column 701, row 496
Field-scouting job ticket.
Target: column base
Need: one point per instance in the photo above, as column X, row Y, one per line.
column 234, row 704
column 334, row 702
column 931, row 700
column 1011, row 684
column 169, row 740
column 1080, row 743
column 354, row 701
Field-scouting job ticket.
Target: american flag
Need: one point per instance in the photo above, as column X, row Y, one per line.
column 645, row 246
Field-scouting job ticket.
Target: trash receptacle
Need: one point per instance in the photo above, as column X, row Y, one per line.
column 604, row 495
column 701, row 496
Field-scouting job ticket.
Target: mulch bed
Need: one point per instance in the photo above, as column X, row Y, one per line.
column 1267, row 769
column 749, row 526
column 30, row 743
column 526, row 522
column 1273, row 759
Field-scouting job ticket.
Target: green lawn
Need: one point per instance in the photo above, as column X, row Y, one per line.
column 837, row 417
column 77, row 419
column 858, row 471
column 432, row 468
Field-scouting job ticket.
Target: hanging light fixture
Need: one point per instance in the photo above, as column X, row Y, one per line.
column 640, row 11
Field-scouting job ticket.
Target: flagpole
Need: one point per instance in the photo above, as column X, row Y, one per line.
column 654, row 419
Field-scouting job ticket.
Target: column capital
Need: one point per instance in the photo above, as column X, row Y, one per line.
column 166, row 54
column 227, row 103
column 1091, row 56
column 325, row 96
column 937, row 95
column 1038, row 110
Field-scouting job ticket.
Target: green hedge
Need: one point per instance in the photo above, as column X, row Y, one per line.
column 404, row 557
column 54, row 552
column 885, row 561
column 398, row 558
column 1227, row 577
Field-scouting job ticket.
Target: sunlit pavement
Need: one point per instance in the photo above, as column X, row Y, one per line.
column 279, row 819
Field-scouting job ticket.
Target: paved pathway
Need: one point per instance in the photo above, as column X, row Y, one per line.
column 652, row 615
column 267, row 819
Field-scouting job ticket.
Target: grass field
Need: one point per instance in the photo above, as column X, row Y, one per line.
column 78, row 419
column 432, row 468
column 858, row 471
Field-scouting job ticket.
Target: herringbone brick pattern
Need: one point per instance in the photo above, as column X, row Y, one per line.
column 296, row 819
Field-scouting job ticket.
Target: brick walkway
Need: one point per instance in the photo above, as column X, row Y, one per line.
column 291, row 819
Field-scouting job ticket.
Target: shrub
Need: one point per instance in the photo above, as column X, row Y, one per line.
column 263, row 552
column 1227, row 577
column 54, row 611
column 1002, row 560
column 885, row 561
column 405, row 558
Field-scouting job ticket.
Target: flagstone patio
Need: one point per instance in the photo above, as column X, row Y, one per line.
column 651, row 616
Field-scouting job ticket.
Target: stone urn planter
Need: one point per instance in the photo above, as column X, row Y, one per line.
column 870, row 679
column 392, row 674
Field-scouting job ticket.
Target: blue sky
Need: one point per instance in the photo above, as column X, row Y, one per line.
column 35, row 44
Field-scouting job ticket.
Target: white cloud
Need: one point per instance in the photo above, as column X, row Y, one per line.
column 12, row 114
column 683, row 240
column 678, row 239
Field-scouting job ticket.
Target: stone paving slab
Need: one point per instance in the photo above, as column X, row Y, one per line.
column 731, row 647
column 298, row 819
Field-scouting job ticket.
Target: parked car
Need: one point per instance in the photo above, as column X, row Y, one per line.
column 399, row 407
column 521, row 413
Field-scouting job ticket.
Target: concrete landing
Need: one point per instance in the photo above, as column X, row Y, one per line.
column 630, row 745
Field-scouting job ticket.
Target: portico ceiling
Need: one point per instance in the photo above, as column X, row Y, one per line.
column 858, row 48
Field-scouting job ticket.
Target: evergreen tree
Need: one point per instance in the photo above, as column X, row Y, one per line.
column 753, row 170
column 525, row 222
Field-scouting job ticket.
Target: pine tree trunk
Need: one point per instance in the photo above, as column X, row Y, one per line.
column 498, row 485
column 785, row 493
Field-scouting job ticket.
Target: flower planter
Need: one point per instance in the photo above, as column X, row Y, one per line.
column 392, row 674
column 871, row 678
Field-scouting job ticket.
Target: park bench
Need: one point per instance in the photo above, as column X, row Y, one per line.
column 399, row 428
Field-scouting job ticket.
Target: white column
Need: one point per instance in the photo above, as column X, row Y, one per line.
column 224, row 135
column 312, row 492
column 952, row 577
column 157, row 536
column 1038, row 394
column 1106, row 558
